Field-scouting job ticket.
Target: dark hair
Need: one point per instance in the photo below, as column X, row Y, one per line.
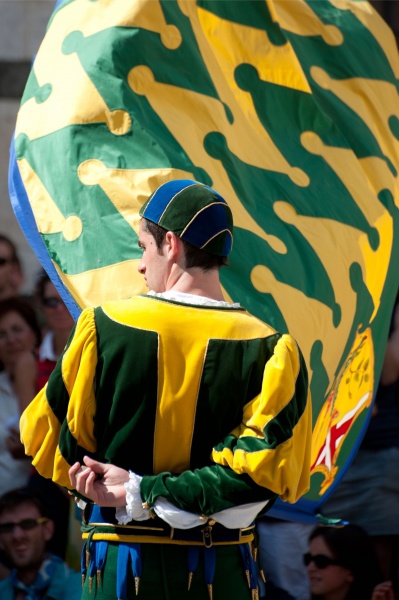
column 353, row 548
column 14, row 255
column 18, row 497
column 194, row 257
column 25, row 310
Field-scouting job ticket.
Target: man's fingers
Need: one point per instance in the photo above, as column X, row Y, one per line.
column 94, row 465
column 72, row 473
column 78, row 476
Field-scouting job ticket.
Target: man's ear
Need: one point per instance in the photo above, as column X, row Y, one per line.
column 48, row 528
column 173, row 244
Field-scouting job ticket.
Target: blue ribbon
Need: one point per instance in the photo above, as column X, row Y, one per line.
column 209, row 564
column 192, row 558
column 135, row 555
column 101, row 554
column 127, row 552
column 249, row 565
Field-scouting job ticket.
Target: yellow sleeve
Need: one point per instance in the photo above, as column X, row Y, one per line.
column 57, row 426
column 273, row 442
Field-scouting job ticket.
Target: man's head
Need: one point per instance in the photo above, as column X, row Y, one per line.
column 24, row 529
column 194, row 214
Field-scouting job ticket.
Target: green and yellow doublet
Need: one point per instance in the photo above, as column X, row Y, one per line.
column 208, row 404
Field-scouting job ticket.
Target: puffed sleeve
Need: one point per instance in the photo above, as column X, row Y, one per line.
column 57, row 426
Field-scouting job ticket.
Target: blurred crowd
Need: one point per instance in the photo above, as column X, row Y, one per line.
column 301, row 561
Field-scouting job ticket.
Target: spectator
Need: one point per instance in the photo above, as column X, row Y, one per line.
column 341, row 565
column 11, row 277
column 19, row 338
column 281, row 545
column 25, row 530
column 58, row 322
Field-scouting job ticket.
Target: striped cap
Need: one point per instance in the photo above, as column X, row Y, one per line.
column 194, row 212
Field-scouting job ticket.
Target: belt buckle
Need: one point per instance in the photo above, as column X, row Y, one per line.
column 207, row 534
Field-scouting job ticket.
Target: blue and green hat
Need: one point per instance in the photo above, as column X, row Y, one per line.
column 194, row 212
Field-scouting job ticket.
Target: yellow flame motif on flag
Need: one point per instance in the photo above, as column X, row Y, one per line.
column 290, row 110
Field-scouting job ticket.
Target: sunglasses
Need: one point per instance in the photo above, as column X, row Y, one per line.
column 25, row 524
column 321, row 561
column 52, row 302
column 4, row 261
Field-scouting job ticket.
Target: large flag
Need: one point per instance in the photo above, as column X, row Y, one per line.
column 290, row 110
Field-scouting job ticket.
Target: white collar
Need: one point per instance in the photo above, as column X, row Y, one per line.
column 192, row 299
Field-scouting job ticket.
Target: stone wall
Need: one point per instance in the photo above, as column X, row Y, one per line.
column 22, row 27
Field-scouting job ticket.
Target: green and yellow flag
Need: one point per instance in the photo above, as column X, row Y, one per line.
column 290, row 110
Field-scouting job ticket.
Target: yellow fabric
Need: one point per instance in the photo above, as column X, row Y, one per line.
column 40, row 428
column 179, row 356
column 286, row 469
column 148, row 539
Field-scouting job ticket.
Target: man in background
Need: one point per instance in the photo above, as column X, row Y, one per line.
column 35, row 574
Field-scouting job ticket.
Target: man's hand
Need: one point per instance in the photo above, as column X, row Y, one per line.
column 102, row 483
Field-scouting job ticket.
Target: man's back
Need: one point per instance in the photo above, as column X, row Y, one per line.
column 205, row 405
column 172, row 381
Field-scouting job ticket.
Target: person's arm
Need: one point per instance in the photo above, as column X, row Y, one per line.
column 267, row 455
column 59, row 423
column 24, row 380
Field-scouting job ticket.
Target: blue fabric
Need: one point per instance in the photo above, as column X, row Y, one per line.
column 206, row 214
column 121, row 571
column 249, row 565
column 192, row 558
column 101, row 554
column 157, row 203
column 209, row 564
column 135, row 555
column 55, row 581
column 126, row 552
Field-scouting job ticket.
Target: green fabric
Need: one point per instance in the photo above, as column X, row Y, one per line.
column 204, row 491
column 230, row 360
column 165, row 576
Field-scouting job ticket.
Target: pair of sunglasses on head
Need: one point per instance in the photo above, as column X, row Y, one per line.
column 321, row 561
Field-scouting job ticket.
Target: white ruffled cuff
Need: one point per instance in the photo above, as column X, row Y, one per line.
column 134, row 509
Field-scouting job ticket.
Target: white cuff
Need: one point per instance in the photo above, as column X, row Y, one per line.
column 134, row 509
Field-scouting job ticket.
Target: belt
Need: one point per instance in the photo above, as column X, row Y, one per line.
column 99, row 523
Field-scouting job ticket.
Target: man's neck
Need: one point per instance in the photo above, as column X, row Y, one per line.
column 198, row 282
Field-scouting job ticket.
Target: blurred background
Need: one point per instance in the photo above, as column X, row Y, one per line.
column 22, row 27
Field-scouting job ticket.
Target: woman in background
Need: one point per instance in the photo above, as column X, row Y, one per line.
column 341, row 565
column 58, row 326
column 19, row 338
column 58, row 323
